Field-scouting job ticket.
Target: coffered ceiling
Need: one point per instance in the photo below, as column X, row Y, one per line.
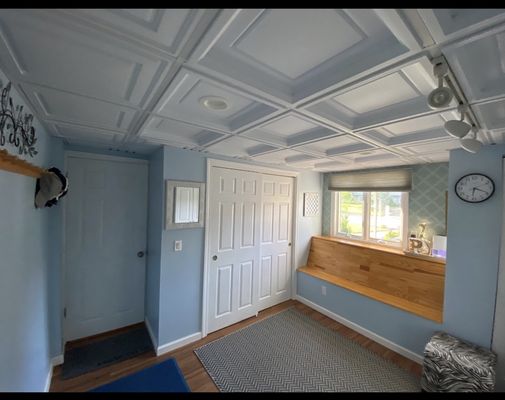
column 318, row 89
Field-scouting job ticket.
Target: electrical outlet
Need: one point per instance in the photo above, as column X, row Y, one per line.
column 323, row 290
column 178, row 245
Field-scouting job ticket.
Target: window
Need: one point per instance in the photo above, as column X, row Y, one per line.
column 372, row 216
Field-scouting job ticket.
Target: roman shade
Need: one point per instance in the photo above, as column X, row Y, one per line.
column 398, row 180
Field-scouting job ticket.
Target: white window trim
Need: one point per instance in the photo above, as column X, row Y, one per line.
column 403, row 229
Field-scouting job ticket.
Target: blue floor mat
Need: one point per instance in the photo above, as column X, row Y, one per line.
column 163, row 377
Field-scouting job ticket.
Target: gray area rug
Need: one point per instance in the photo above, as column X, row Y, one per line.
column 92, row 356
column 291, row 352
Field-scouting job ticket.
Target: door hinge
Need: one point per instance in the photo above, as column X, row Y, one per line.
column 65, row 312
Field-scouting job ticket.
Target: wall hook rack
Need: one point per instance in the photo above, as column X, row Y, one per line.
column 14, row 164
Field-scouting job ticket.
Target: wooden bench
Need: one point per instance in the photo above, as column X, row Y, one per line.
column 413, row 283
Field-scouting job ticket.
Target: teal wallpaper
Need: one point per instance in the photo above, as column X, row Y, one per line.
column 426, row 200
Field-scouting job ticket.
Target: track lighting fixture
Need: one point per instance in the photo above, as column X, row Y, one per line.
column 441, row 96
column 471, row 144
column 459, row 128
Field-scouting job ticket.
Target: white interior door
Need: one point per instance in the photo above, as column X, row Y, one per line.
column 234, row 218
column 275, row 241
column 249, row 253
column 105, row 228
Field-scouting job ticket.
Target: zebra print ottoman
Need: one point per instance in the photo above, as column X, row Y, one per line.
column 452, row 365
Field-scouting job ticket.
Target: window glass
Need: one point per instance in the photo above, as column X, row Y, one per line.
column 385, row 216
column 350, row 213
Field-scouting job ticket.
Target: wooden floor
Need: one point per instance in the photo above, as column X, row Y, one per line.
column 196, row 376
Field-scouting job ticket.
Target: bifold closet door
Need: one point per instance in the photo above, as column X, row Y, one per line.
column 275, row 240
column 233, row 257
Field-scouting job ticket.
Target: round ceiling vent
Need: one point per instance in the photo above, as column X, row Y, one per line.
column 214, row 103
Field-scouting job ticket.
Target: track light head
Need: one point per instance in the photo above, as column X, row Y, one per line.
column 440, row 97
column 457, row 129
column 472, row 145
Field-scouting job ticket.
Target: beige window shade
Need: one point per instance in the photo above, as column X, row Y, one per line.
column 399, row 180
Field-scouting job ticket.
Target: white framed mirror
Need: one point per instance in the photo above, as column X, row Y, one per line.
column 184, row 205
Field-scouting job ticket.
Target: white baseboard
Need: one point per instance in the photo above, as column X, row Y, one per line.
column 365, row 332
column 49, row 378
column 165, row 348
column 58, row 360
column 151, row 334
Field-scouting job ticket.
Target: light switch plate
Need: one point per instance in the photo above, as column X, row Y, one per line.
column 178, row 245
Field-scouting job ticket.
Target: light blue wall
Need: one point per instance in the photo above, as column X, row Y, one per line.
column 154, row 231
column 473, row 248
column 473, row 251
column 27, row 262
column 105, row 152
column 181, row 272
column 181, row 275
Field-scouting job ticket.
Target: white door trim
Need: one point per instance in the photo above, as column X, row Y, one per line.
column 92, row 156
column 252, row 168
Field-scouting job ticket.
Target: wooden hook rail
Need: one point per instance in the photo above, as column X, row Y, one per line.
column 14, row 164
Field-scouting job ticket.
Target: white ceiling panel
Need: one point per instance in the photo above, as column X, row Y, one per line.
column 445, row 23
column 479, row 65
column 67, row 107
column 184, row 101
column 335, row 146
column 167, row 29
column 81, row 61
column 238, row 147
column 278, row 51
column 492, row 113
column 324, row 89
column 290, row 130
column 398, row 94
column 169, row 131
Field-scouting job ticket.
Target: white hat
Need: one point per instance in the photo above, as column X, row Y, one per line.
column 50, row 187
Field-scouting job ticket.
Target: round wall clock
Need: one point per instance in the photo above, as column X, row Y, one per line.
column 474, row 188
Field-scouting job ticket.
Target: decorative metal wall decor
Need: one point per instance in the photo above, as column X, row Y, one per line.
column 15, row 125
column 310, row 204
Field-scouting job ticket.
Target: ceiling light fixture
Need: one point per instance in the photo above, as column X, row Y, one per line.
column 458, row 129
column 471, row 144
column 441, row 96
column 214, row 103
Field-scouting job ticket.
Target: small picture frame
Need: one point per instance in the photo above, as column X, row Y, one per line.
column 184, row 204
column 310, row 204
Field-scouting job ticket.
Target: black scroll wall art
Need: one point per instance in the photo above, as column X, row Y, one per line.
column 15, row 125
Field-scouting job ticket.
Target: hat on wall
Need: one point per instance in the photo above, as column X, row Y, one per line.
column 50, row 187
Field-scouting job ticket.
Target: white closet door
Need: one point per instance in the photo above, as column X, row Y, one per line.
column 234, row 220
column 275, row 240
column 105, row 229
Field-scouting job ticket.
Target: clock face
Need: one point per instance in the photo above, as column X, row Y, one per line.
column 474, row 188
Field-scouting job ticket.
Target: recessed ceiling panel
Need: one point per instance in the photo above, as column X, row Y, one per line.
column 289, row 130
column 277, row 157
column 397, row 94
column 82, row 134
column 448, row 22
column 170, row 131
column 41, row 50
column 436, row 146
column 234, row 147
column 66, row 107
column 336, row 145
column 492, row 113
column 294, row 53
column 167, row 29
column 479, row 65
column 196, row 99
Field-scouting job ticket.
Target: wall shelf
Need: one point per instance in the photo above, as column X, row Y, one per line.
column 14, row 164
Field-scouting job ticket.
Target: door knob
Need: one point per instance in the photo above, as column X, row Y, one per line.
column 214, row 258
column 289, row 244
column 140, row 254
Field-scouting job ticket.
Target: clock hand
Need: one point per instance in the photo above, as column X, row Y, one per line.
column 475, row 188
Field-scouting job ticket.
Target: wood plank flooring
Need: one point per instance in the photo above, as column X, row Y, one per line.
column 194, row 372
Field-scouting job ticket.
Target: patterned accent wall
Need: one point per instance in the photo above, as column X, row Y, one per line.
column 426, row 200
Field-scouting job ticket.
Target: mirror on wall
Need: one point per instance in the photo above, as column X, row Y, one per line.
column 185, row 204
